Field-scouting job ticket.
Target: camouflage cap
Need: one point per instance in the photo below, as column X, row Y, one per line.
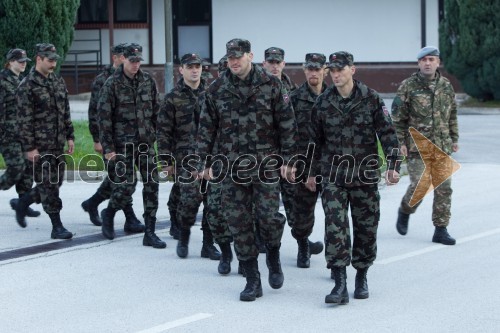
column 222, row 66
column 315, row 60
column 46, row 50
column 119, row 48
column 428, row 51
column 133, row 52
column 274, row 54
column 205, row 69
column 340, row 59
column 18, row 55
column 190, row 58
column 237, row 47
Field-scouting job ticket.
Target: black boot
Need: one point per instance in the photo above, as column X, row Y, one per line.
column 241, row 270
column 90, row 206
column 208, row 250
column 253, row 288
column 21, row 207
column 29, row 213
column 183, row 243
column 442, row 236
column 303, row 254
column 339, row 294
column 58, row 231
column 132, row 223
column 276, row 277
column 316, row 247
column 402, row 223
column 174, row 226
column 150, row 238
column 225, row 258
column 361, row 285
column 108, row 222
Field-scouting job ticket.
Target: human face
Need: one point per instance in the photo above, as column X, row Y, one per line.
column 342, row 77
column 240, row 66
column 314, row 76
column 191, row 73
column 428, row 65
column 130, row 68
column 45, row 66
column 274, row 67
column 17, row 67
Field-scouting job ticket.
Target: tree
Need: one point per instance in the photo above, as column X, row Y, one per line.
column 24, row 23
column 469, row 39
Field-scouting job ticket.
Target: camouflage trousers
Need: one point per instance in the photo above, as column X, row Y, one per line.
column 174, row 198
column 218, row 225
column 190, row 199
column 435, row 174
column 124, row 180
column 244, row 203
column 106, row 188
column 299, row 205
column 364, row 202
column 19, row 170
column 49, row 176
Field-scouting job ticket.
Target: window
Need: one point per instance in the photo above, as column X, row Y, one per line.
column 125, row 11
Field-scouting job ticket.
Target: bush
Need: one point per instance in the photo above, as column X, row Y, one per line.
column 468, row 38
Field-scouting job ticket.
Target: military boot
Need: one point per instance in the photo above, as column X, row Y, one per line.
column 90, row 206
column 132, row 223
column 58, row 230
column 174, row 226
column 402, row 223
column 183, row 243
column 339, row 294
column 150, row 238
column 225, row 258
column 253, row 288
column 29, row 213
column 21, row 206
column 208, row 250
column 108, row 222
column 442, row 236
column 241, row 270
column 303, row 254
column 361, row 285
column 276, row 277
column 316, row 247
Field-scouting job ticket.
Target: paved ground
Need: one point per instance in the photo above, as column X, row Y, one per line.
column 121, row 286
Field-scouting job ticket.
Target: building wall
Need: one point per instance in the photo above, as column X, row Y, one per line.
column 374, row 31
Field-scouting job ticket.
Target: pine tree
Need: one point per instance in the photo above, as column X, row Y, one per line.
column 470, row 48
column 24, row 23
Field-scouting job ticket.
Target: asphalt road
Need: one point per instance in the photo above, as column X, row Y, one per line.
column 121, row 286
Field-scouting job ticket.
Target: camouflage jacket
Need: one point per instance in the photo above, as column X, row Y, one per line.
column 127, row 111
column 44, row 117
column 179, row 118
column 287, row 83
column 428, row 107
column 94, row 99
column 346, row 138
column 259, row 123
column 302, row 101
column 8, row 106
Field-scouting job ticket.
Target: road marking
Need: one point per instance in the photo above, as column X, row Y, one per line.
column 436, row 247
column 177, row 323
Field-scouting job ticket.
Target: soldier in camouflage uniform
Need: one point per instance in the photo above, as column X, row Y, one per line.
column 177, row 126
column 128, row 109
column 274, row 63
column 248, row 118
column 18, row 170
column 426, row 101
column 299, row 202
column 221, row 66
column 132, row 224
column 45, row 126
column 346, row 121
column 205, row 70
